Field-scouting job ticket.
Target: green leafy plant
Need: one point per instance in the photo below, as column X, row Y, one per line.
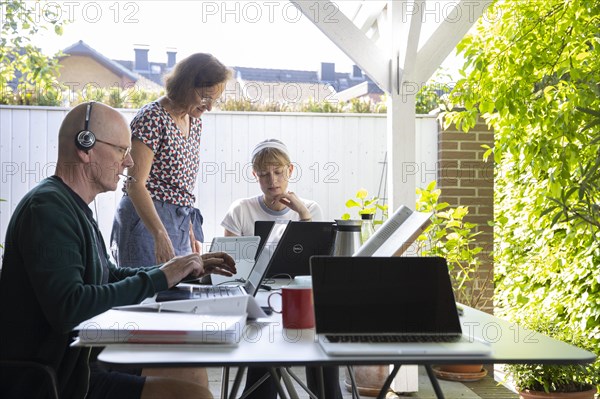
column 322, row 106
column 451, row 237
column 366, row 205
column 581, row 201
column 26, row 75
column 132, row 97
column 531, row 75
column 554, row 377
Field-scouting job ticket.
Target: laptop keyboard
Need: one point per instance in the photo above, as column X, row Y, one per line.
column 217, row 291
column 376, row 339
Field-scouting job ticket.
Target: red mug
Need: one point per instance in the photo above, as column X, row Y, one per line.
column 296, row 307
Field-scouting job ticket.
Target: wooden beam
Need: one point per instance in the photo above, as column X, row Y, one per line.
column 351, row 40
column 445, row 38
column 408, row 53
column 356, row 91
column 367, row 14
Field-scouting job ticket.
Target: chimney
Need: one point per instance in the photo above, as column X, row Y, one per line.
column 171, row 58
column 141, row 58
column 327, row 72
column 356, row 72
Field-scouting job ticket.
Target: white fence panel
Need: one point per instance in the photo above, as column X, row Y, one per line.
column 334, row 155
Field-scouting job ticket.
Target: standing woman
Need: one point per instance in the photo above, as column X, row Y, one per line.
column 156, row 218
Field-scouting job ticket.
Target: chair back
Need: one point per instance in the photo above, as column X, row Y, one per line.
column 45, row 377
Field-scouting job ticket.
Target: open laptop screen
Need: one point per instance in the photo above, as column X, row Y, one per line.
column 300, row 241
column 264, row 258
column 393, row 295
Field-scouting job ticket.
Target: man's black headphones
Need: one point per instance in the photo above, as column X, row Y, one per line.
column 85, row 138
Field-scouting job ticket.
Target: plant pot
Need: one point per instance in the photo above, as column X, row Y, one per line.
column 369, row 379
column 527, row 394
column 460, row 372
column 460, row 368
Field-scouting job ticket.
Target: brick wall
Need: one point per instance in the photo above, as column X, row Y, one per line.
column 465, row 179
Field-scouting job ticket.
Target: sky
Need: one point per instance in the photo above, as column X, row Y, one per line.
column 264, row 34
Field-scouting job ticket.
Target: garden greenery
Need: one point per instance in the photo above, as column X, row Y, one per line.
column 428, row 99
column 533, row 75
column 451, row 237
column 27, row 77
column 556, row 377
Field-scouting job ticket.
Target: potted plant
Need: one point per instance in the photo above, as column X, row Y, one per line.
column 451, row 237
column 552, row 381
column 366, row 205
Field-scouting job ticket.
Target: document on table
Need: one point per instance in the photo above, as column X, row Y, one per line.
column 148, row 326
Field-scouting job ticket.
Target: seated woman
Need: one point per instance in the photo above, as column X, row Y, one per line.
column 272, row 167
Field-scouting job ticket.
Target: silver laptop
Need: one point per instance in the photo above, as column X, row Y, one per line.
column 378, row 306
column 243, row 249
column 250, row 286
column 397, row 235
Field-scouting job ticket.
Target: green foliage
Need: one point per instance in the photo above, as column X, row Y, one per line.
column 366, row 205
column 580, row 203
column 245, row 105
column 428, row 98
column 116, row 97
column 35, row 73
column 322, row 106
column 433, row 95
column 554, row 377
column 139, row 97
column 533, row 74
column 450, row 237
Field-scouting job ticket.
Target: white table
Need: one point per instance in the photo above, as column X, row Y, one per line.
column 269, row 345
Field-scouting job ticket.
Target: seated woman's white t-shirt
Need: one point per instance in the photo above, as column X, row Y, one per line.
column 244, row 212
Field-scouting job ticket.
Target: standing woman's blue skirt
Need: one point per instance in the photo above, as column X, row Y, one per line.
column 131, row 243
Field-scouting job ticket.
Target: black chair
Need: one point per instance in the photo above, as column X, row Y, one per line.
column 45, row 376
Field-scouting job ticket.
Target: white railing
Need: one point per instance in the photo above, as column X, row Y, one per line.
column 334, row 154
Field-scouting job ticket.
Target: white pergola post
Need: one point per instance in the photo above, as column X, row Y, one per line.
column 400, row 69
column 403, row 30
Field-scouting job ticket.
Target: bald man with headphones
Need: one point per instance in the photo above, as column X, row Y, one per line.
column 56, row 272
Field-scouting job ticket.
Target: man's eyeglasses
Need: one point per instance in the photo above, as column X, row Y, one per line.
column 124, row 150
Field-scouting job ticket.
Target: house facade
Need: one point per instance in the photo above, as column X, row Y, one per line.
column 83, row 67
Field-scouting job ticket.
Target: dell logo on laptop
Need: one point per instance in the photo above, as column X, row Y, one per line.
column 298, row 248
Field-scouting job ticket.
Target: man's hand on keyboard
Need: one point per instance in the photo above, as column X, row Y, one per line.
column 218, row 263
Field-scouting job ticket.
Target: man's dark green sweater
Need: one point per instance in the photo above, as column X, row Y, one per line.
column 52, row 279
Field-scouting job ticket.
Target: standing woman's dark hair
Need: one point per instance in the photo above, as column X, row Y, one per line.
column 197, row 71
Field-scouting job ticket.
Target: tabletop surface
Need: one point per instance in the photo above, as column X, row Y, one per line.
column 267, row 343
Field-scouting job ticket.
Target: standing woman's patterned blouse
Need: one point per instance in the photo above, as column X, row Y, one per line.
column 176, row 162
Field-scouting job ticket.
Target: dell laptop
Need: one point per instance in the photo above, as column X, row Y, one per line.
column 300, row 241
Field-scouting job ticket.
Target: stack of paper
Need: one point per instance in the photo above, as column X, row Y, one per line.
column 118, row 326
